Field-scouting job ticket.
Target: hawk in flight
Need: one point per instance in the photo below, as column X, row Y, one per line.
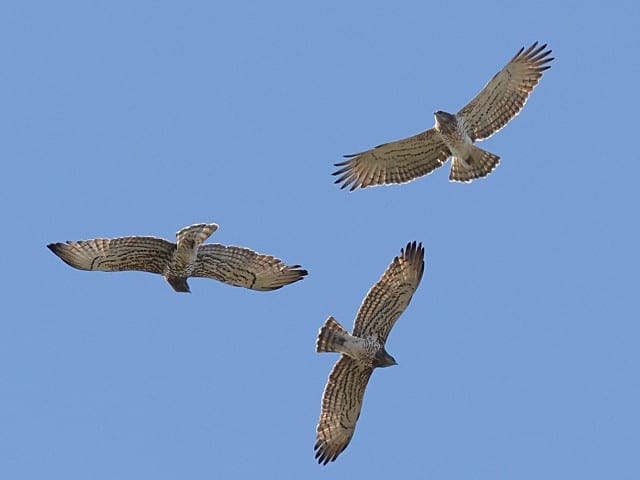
column 363, row 350
column 453, row 135
column 176, row 262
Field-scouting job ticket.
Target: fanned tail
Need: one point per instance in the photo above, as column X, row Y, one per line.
column 194, row 235
column 478, row 164
column 331, row 336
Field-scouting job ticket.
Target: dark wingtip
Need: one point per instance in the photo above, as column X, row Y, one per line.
column 299, row 270
column 339, row 182
column 413, row 249
column 291, row 270
column 322, row 457
column 55, row 247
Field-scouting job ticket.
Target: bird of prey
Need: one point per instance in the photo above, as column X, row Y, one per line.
column 176, row 262
column 363, row 350
column 453, row 135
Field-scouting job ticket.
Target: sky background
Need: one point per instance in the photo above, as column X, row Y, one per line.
column 518, row 356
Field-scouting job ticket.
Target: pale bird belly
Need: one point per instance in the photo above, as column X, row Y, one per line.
column 362, row 349
column 459, row 144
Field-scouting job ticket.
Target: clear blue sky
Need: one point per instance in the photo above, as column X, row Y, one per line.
column 518, row 357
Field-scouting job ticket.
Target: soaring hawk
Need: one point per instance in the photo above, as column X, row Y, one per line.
column 363, row 350
column 176, row 262
column 453, row 135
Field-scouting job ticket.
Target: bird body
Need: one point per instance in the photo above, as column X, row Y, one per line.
column 468, row 161
column 453, row 134
column 367, row 350
column 185, row 255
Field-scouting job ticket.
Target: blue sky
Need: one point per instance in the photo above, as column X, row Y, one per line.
column 518, row 357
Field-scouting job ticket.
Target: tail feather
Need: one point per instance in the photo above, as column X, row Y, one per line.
column 479, row 163
column 194, row 235
column 331, row 336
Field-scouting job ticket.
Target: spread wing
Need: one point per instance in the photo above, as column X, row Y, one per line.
column 243, row 267
column 145, row 254
column 388, row 298
column 341, row 405
column 395, row 162
column 506, row 93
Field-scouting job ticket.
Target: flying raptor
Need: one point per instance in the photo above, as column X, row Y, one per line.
column 362, row 351
column 176, row 262
column 453, row 135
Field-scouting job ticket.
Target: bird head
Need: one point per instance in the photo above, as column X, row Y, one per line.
column 383, row 359
column 444, row 117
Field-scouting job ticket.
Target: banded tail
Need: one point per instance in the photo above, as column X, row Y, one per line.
column 478, row 164
column 331, row 336
column 194, row 235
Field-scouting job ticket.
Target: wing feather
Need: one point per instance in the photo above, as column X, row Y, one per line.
column 341, row 406
column 504, row 96
column 243, row 267
column 395, row 162
column 389, row 297
column 145, row 254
